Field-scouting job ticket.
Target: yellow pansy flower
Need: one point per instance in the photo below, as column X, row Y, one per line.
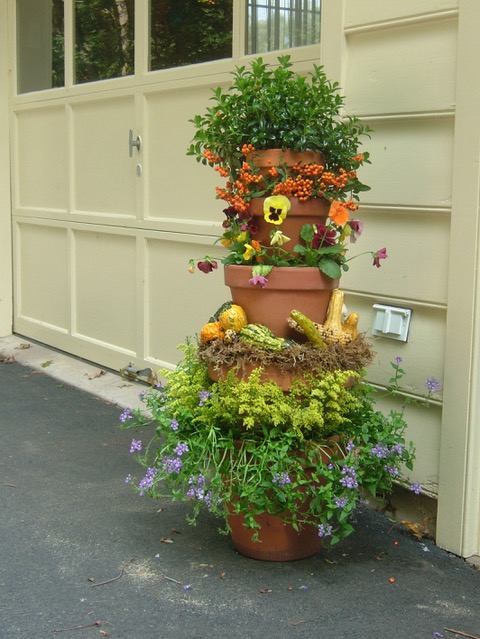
column 279, row 238
column 275, row 208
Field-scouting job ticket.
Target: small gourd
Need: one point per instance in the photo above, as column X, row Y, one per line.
column 332, row 329
column 263, row 337
column 308, row 328
column 350, row 326
column 211, row 331
column 233, row 317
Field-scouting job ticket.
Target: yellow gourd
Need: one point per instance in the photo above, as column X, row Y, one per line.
column 350, row 326
column 234, row 317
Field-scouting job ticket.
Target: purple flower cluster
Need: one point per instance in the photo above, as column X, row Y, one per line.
column 197, row 490
column 349, row 479
column 393, row 470
column 382, row 451
column 416, row 488
column 126, row 415
column 172, row 465
column 433, row 385
column 181, row 448
column 135, row 445
column 340, row 502
column 281, row 479
column 174, row 425
column 324, row 530
column 147, row 481
column 203, row 396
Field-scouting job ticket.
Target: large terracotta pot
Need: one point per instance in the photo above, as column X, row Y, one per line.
column 303, row 288
column 313, row 211
column 267, row 158
column 277, row 541
column 269, row 374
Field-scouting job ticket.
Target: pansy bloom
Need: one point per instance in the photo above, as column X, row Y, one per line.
column 379, row 255
column 275, row 208
column 339, row 213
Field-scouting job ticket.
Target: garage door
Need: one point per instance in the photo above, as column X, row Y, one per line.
column 107, row 208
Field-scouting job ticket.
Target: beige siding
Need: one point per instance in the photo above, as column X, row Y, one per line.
column 408, row 73
column 399, row 76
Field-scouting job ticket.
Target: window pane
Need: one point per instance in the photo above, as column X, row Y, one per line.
column 40, row 54
column 282, row 24
column 189, row 31
column 104, row 39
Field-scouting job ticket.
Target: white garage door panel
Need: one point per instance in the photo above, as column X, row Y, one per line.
column 105, row 299
column 42, row 174
column 179, row 186
column 42, row 280
column 103, row 172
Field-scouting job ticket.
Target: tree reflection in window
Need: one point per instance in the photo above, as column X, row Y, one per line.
column 104, row 39
column 189, row 31
column 282, row 24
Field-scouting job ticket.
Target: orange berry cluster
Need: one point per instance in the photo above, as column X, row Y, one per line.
column 299, row 187
column 211, row 157
column 309, row 170
column 234, row 199
column 247, row 148
column 339, row 181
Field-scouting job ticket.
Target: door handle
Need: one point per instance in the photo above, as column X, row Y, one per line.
column 137, row 143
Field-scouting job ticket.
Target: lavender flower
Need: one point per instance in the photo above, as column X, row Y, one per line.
column 203, row 395
column 128, row 479
column 281, row 479
column 197, row 490
column 135, row 445
column 172, row 465
column 393, row 470
column 433, row 385
column 127, row 414
column 340, row 502
column 181, row 448
column 380, row 450
column 147, row 481
column 398, row 360
column 174, row 424
column 324, row 530
column 349, row 479
column 416, row 488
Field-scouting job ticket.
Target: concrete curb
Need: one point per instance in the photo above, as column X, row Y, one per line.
column 80, row 374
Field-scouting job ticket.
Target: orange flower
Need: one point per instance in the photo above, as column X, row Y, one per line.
column 338, row 213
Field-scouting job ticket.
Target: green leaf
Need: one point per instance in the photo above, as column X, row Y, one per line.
column 330, row 268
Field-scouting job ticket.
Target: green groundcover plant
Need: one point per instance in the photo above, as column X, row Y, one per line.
column 307, row 455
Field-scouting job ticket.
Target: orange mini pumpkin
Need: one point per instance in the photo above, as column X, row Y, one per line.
column 211, row 331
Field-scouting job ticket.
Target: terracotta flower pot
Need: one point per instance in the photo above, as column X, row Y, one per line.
column 277, row 541
column 313, row 211
column 267, row 158
column 303, row 288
